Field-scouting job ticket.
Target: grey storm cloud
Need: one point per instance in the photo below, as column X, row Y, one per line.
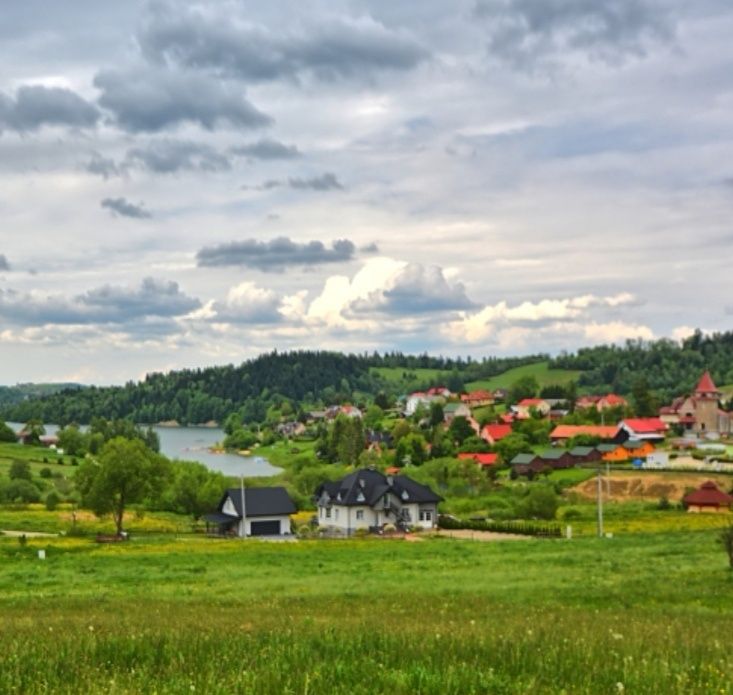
column 35, row 106
column 4, row 263
column 103, row 166
column 525, row 33
column 148, row 99
column 324, row 182
column 418, row 289
column 275, row 255
column 330, row 49
column 266, row 149
column 153, row 299
column 124, row 208
column 169, row 156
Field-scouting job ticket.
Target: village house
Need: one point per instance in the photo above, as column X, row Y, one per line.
column 649, row 428
column 454, row 410
column 257, row 511
column 700, row 413
column 630, row 449
column 334, row 411
column 601, row 403
column 524, row 408
column 484, row 460
column 367, row 499
column 494, row 432
column 419, row 399
column 562, row 433
column 477, row 399
column 707, row 498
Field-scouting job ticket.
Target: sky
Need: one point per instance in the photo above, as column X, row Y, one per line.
column 187, row 184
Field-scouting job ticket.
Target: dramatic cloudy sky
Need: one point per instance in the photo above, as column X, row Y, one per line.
column 188, row 184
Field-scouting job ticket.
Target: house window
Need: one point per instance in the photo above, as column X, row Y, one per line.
column 359, row 514
column 426, row 515
column 328, row 512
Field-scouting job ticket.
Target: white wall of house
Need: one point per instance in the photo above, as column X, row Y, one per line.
column 349, row 519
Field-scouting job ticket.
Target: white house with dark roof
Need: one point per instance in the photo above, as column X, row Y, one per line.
column 368, row 499
column 256, row 511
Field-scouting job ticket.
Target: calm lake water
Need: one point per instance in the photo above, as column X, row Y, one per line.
column 193, row 443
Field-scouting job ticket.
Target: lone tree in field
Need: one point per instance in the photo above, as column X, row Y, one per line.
column 126, row 472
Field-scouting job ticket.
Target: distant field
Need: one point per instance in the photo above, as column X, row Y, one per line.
column 441, row 616
column 539, row 371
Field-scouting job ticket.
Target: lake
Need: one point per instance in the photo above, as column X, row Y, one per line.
column 193, row 444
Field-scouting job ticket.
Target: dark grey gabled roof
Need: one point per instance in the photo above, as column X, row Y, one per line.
column 260, row 501
column 367, row 486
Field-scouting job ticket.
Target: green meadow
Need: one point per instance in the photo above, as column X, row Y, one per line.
column 539, row 370
column 173, row 614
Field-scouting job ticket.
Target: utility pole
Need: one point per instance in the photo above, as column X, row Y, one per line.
column 600, row 504
column 243, row 531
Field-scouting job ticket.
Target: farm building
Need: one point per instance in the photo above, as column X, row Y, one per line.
column 708, row 498
column 556, row 458
column 647, row 428
column 562, row 433
column 585, row 454
column 368, row 499
column 639, row 449
column 524, row 464
column 260, row 511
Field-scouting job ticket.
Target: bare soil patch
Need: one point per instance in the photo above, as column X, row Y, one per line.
column 621, row 485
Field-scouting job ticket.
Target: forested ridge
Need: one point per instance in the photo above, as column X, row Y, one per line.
column 316, row 378
column 670, row 368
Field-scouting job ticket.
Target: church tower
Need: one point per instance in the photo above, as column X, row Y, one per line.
column 706, row 398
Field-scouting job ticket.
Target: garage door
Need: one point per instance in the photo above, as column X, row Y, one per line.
column 265, row 528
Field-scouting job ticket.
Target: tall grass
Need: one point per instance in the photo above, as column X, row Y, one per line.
column 640, row 615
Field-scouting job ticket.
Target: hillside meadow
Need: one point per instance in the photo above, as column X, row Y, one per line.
column 167, row 614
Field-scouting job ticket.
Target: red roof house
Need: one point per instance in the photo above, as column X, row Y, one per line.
column 476, row 399
column 650, row 428
column 708, row 498
column 495, row 432
column 482, row 459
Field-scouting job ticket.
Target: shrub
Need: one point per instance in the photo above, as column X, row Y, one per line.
column 20, row 470
column 664, row 504
column 571, row 514
column 52, row 501
column 45, row 472
column 20, row 491
column 361, row 533
column 541, row 503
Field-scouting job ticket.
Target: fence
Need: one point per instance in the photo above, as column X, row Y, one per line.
column 522, row 528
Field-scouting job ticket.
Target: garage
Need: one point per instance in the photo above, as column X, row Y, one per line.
column 265, row 528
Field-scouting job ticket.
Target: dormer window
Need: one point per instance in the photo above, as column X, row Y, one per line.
column 338, row 497
column 360, row 497
column 362, row 483
column 404, row 495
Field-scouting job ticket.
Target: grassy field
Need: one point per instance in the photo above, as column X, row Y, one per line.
column 408, row 376
column 539, row 370
column 640, row 614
